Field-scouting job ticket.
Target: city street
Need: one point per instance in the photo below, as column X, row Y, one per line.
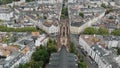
column 87, row 59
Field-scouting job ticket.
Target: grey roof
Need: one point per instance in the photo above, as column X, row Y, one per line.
column 95, row 0
column 5, row 10
column 63, row 59
column 118, row 45
column 109, row 59
column 15, row 56
column 24, row 41
column 77, row 24
column 2, row 61
column 98, row 49
column 98, row 9
column 27, row 42
column 106, row 57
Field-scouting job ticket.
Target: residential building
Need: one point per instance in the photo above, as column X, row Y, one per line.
column 51, row 27
column 6, row 13
column 96, row 49
column 41, row 40
column 78, row 23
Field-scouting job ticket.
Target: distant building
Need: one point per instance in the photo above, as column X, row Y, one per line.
column 90, row 16
column 6, row 13
column 51, row 27
column 117, row 2
column 96, row 49
column 35, row 33
column 41, row 40
column 23, row 55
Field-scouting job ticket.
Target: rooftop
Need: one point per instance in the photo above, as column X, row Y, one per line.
column 6, row 50
column 49, row 23
column 93, row 39
column 77, row 24
column 63, row 59
column 5, row 10
column 99, row 50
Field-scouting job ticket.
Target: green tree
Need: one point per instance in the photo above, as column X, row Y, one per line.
column 34, row 64
column 90, row 30
column 118, row 51
column 24, row 65
column 51, row 46
column 102, row 31
column 64, row 13
column 108, row 11
column 103, row 5
column 40, row 55
column 29, row 0
column 44, row 17
column 72, row 48
column 116, row 32
column 81, row 14
column 6, row 1
column 111, row 17
column 25, row 29
column 82, row 65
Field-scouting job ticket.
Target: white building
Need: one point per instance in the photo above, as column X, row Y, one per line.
column 22, row 56
column 51, row 27
column 77, row 30
column 41, row 40
column 50, row 1
column 100, row 55
column 5, row 13
column 95, row 2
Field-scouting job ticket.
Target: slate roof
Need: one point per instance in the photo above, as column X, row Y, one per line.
column 63, row 59
column 77, row 24
column 98, row 49
column 106, row 58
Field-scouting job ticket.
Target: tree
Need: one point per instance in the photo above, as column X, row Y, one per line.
column 88, row 6
column 103, row 5
column 24, row 65
column 29, row 0
column 7, row 29
column 64, row 13
column 15, row 21
column 81, row 14
column 40, row 55
column 51, row 46
column 111, row 17
column 118, row 51
column 82, row 65
column 108, row 11
column 6, row 1
column 116, row 32
column 44, row 17
column 72, row 48
column 102, row 31
column 90, row 30
column 34, row 64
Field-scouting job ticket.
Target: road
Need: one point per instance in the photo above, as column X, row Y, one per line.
column 87, row 59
